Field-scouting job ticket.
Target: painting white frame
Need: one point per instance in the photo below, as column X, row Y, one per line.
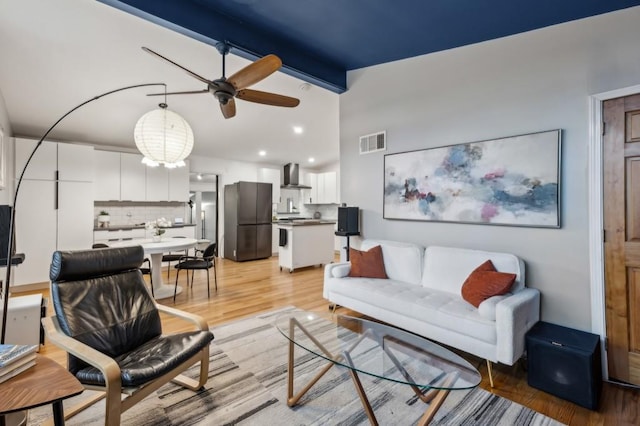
column 511, row 181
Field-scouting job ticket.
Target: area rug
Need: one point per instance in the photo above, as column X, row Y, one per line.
column 247, row 386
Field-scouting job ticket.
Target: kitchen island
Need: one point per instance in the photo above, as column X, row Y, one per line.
column 305, row 243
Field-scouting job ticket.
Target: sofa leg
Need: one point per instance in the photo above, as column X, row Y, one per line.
column 333, row 309
column 490, row 373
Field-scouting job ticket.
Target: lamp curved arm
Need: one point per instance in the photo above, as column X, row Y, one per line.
column 4, row 290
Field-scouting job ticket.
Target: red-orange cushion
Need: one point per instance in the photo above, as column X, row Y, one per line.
column 367, row 264
column 485, row 282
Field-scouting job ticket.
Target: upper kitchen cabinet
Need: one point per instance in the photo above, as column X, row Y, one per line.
column 324, row 188
column 157, row 183
column 121, row 176
column 132, row 177
column 271, row 176
column 179, row 184
column 106, row 180
column 71, row 162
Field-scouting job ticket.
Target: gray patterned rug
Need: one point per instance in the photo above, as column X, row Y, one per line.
column 247, row 386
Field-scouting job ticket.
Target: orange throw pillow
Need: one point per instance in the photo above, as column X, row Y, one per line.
column 367, row 264
column 485, row 282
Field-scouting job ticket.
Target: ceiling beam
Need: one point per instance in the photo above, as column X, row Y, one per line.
column 203, row 24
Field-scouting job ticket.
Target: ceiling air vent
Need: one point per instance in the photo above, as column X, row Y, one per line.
column 373, row 142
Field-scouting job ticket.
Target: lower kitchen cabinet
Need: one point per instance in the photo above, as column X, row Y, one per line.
column 306, row 245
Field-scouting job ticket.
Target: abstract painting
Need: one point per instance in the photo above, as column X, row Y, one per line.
column 508, row 181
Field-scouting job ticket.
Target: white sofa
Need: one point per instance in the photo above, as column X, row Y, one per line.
column 422, row 295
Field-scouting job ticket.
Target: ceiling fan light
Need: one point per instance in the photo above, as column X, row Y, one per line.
column 163, row 137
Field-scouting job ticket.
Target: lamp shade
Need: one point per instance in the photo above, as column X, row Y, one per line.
column 163, row 137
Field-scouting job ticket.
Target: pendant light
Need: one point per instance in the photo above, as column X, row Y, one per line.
column 163, row 137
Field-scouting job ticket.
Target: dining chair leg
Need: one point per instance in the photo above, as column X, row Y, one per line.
column 168, row 269
column 175, row 289
column 208, row 286
column 215, row 273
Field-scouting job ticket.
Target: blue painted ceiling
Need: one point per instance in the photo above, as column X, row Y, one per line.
column 320, row 40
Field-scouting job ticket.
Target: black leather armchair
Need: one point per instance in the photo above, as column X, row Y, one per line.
column 110, row 326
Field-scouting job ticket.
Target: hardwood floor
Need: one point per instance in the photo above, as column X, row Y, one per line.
column 245, row 289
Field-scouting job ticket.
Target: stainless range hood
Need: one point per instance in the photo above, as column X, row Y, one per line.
column 292, row 177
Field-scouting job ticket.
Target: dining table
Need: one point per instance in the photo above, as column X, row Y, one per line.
column 155, row 249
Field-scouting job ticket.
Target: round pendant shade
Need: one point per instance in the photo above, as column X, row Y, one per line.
column 163, row 137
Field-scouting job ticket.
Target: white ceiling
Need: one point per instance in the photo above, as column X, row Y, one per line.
column 57, row 54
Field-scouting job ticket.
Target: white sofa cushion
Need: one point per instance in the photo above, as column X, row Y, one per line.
column 439, row 308
column 446, row 268
column 402, row 261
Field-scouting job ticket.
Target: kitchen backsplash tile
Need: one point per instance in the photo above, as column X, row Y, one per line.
column 133, row 214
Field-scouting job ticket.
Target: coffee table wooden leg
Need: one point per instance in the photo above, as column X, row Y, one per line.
column 434, row 406
column 291, row 398
column 363, row 398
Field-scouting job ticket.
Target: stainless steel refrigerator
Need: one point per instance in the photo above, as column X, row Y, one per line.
column 247, row 221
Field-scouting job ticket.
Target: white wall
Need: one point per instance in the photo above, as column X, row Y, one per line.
column 526, row 83
column 6, row 193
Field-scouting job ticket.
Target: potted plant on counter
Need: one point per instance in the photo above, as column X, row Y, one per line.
column 103, row 219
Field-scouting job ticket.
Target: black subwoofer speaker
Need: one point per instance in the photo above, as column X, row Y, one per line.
column 565, row 363
column 348, row 220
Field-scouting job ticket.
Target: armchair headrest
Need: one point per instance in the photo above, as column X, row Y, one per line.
column 83, row 264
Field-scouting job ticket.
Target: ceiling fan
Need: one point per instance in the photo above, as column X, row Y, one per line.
column 226, row 89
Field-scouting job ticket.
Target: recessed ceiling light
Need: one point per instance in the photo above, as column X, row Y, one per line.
column 199, row 176
column 311, row 159
column 262, row 153
column 298, row 130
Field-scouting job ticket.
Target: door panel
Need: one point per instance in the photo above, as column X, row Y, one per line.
column 621, row 153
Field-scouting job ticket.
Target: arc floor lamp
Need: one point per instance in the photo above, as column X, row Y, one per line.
column 4, row 290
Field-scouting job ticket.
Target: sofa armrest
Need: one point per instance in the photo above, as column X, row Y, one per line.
column 515, row 315
column 328, row 269
column 328, row 275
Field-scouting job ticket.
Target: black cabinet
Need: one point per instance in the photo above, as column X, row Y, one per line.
column 565, row 363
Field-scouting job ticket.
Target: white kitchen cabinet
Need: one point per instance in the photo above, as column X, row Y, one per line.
column 43, row 166
column 132, row 177
column 306, row 245
column 157, row 184
column 106, row 178
column 36, row 230
column 183, row 231
column 275, row 239
column 52, row 214
column 179, row 184
column 75, row 215
column 271, row 176
column 324, row 188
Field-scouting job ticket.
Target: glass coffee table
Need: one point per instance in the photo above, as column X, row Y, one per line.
column 378, row 350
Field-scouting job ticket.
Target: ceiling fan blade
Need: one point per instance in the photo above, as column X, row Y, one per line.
column 188, row 92
column 191, row 73
column 253, row 73
column 267, row 98
column 228, row 109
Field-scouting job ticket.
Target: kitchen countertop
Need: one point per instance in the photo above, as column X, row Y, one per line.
column 306, row 223
column 128, row 227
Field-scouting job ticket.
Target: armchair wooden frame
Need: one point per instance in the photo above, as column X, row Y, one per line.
column 115, row 404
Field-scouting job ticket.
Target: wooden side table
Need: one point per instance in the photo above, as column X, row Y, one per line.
column 45, row 383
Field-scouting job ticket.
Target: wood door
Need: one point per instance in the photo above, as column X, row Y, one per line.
column 621, row 153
